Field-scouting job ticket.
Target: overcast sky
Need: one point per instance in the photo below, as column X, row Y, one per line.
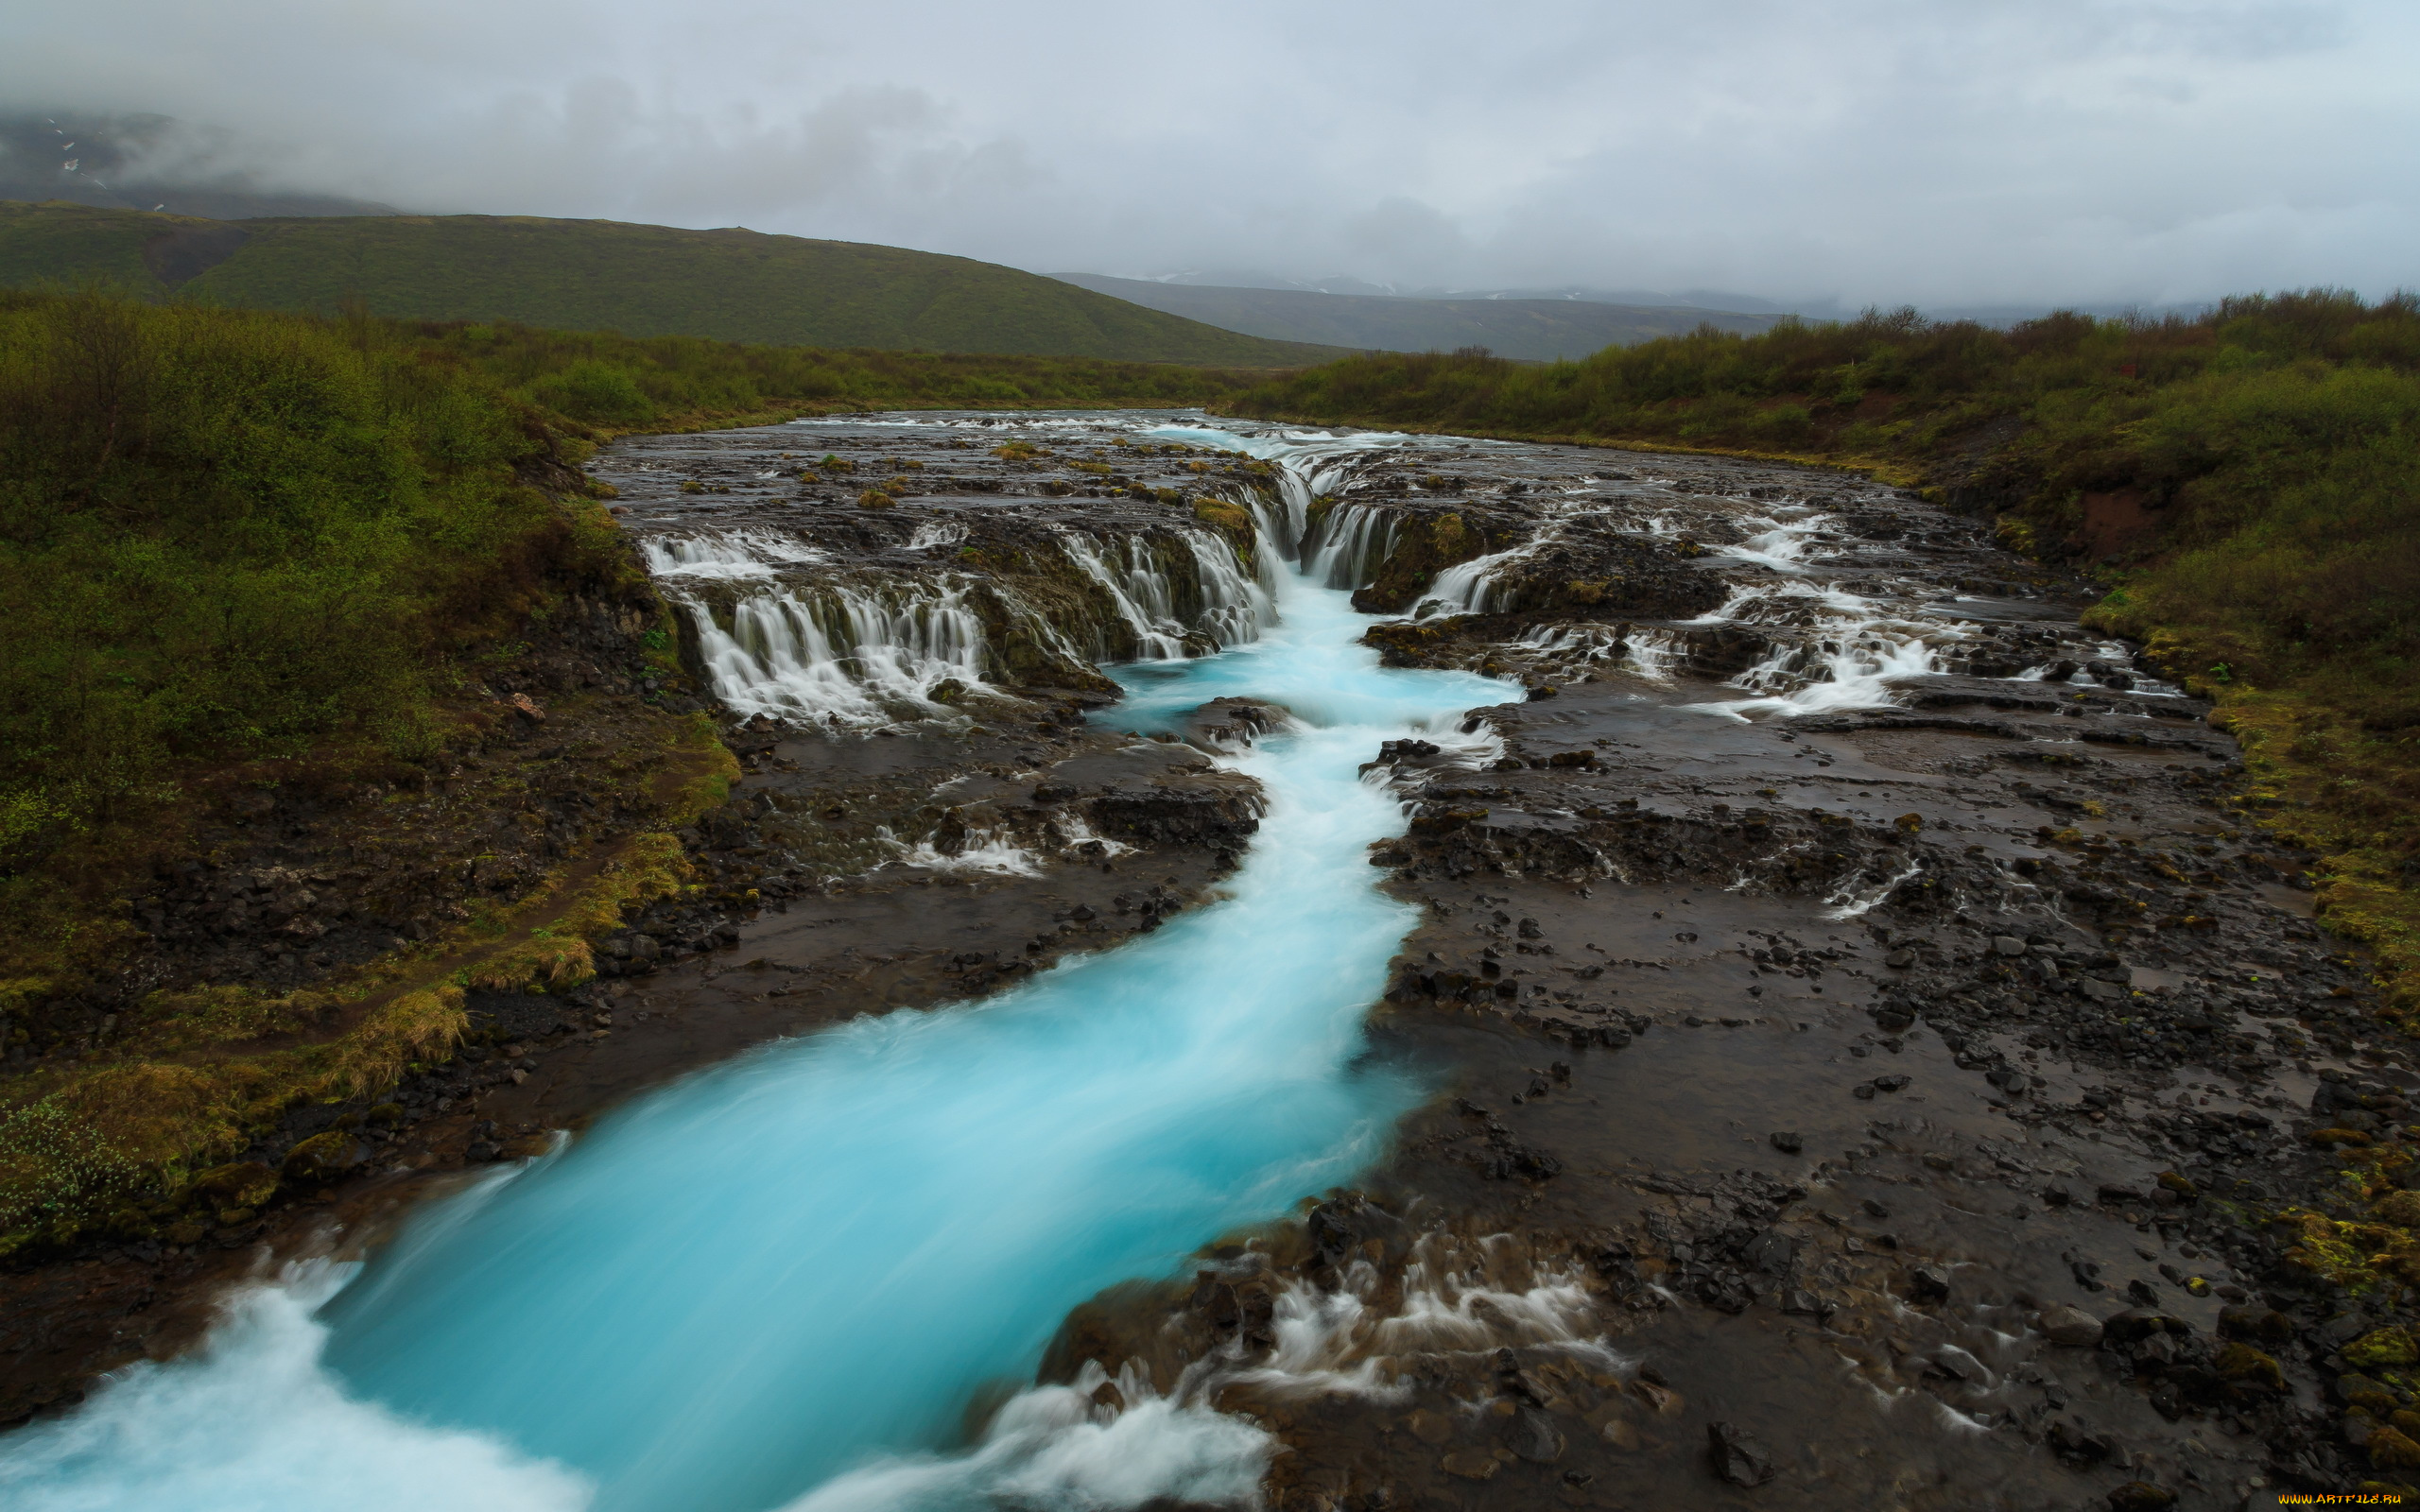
column 1935, row 151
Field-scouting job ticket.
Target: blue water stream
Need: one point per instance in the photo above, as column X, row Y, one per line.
column 788, row 1276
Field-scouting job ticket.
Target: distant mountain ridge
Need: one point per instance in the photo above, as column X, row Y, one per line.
column 1530, row 329
column 730, row 285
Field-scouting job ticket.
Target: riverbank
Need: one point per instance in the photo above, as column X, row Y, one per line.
column 1846, row 746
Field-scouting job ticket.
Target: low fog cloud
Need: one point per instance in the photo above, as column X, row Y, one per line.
column 1884, row 150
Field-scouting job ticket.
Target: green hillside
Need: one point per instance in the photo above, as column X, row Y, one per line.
column 643, row 281
column 1529, row 330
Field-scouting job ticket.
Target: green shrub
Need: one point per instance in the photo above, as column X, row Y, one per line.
column 600, row 393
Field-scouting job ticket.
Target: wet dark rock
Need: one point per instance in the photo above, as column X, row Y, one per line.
column 2071, row 1326
column 1534, row 1438
column 1471, row 1464
column 1770, row 1253
column 1787, row 1143
column 2077, row 1444
column 2140, row 1496
column 2263, row 1324
column 2137, row 1324
column 1738, row 1455
column 1928, row 1283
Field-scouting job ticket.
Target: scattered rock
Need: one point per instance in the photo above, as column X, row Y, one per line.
column 1739, row 1456
column 1472, row 1464
column 2071, row 1326
column 1534, row 1438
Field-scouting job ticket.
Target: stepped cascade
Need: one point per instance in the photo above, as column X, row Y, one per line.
column 823, row 1275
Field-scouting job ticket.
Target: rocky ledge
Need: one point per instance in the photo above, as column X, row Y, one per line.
column 1877, row 1061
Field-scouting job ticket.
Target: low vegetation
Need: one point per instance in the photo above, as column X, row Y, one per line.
column 730, row 285
column 2245, row 483
column 245, row 551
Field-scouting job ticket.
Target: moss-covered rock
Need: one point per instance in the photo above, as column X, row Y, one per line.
column 2391, row 1449
column 2360, row 1391
column 242, row 1184
column 323, row 1158
column 1419, row 644
column 1424, row 546
column 2401, row 1208
column 2248, row 1366
column 2386, row 1348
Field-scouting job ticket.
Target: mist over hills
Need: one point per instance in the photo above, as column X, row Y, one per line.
column 732, row 285
column 1712, row 302
column 140, row 163
column 1530, row 329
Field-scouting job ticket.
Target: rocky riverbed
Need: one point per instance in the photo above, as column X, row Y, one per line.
column 1874, row 1062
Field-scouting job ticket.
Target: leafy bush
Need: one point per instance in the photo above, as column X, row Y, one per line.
column 222, row 534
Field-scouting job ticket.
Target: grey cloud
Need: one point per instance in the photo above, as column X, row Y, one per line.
column 2098, row 150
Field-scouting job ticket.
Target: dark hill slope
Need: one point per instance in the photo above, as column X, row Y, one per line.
column 730, row 285
column 1530, row 330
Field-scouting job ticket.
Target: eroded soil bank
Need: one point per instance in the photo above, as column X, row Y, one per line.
column 1873, row 1061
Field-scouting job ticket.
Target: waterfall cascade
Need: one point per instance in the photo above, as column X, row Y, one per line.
column 747, row 554
column 1138, row 586
column 853, row 650
column 781, row 1283
column 840, row 652
column 1471, row 587
column 1350, row 543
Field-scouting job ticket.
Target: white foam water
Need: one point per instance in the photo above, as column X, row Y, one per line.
column 1852, row 666
column 254, row 1422
column 982, row 850
column 1349, row 545
column 846, row 654
column 1136, row 586
column 725, row 556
